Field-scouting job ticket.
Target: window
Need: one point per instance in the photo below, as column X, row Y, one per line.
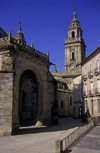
column 77, row 34
column 86, row 105
column 62, row 104
column 65, row 87
column 98, row 105
column 85, row 88
column 97, row 64
column 70, row 100
column 73, row 57
column 73, row 35
column 90, row 67
column 92, row 110
column 98, row 87
column 84, row 71
column 58, row 85
column 92, row 87
column 99, row 84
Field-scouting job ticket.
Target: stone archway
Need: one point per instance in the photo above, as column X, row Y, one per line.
column 28, row 97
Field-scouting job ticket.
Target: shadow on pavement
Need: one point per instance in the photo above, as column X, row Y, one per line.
column 68, row 151
column 64, row 124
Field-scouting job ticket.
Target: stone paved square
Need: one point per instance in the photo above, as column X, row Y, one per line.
column 38, row 140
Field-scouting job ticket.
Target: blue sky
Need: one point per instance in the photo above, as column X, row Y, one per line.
column 45, row 22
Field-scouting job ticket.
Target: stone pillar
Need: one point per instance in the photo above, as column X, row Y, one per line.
column 58, row 146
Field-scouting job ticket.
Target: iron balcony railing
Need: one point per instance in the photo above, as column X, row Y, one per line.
column 85, row 77
column 91, row 92
column 97, row 91
column 84, row 94
column 90, row 74
column 97, row 70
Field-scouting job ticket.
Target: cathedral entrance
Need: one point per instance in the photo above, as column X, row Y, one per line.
column 28, row 97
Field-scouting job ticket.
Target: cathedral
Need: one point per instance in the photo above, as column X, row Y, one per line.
column 29, row 92
column 27, row 88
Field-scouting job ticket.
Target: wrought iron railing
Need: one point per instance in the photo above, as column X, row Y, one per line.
column 97, row 70
column 90, row 74
column 97, row 91
column 84, row 76
column 91, row 92
column 84, row 94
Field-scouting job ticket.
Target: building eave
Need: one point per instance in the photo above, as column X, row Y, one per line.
column 93, row 54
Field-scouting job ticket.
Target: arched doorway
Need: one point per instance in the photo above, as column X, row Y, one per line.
column 28, row 97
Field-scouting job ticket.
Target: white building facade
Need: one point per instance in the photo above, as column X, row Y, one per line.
column 91, row 85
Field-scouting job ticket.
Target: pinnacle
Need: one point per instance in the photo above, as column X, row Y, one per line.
column 20, row 26
column 74, row 17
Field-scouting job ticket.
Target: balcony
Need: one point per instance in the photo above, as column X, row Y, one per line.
column 97, row 71
column 97, row 91
column 84, row 94
column 90, row 74
column 84, row 77
column 91, row 93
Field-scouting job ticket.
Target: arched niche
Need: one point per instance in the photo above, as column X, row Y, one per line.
column 28, row 97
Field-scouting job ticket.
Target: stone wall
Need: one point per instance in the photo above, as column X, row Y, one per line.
column 6, row 101
column 13, row 63
column 45, row 86
column 65, row 106
column 77, row 87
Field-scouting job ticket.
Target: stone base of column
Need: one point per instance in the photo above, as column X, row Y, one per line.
column 5, row 130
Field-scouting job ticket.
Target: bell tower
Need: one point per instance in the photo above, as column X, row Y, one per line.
column 74, row 46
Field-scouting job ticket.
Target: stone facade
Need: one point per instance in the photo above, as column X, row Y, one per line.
column 65, row 103
column 6, row 102
column 27, row 88
column 91, row 85
column 64, row 97
column 78, row 92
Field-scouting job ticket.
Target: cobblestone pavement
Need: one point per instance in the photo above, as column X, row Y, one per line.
column 38, row 140
column 89, row 144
